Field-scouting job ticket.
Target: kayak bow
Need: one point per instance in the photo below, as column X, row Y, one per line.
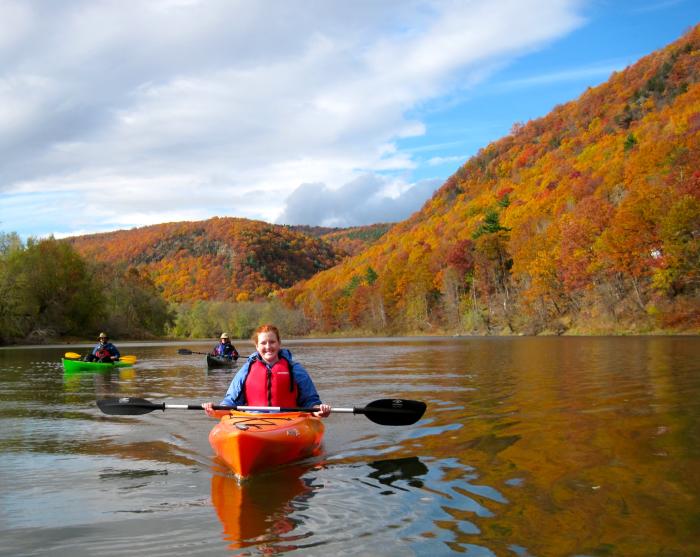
column 220, row 362
column 250, row 443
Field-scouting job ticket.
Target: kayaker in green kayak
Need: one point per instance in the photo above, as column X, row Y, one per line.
column 104, row 351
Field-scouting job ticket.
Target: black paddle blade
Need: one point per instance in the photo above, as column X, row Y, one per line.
column 393, row 411
column 127, row 406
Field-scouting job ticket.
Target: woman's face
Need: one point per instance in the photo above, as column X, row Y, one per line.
column 268, row 346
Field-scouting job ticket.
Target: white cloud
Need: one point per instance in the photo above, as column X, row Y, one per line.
column 436, row 161
column 153, row 111
column 598, row 72
column 366, row 200
column 656, row 6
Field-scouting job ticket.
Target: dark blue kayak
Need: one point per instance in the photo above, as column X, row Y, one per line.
column 220, row 361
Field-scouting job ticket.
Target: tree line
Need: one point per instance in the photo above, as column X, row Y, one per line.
column 47, row 290
column 206, row 319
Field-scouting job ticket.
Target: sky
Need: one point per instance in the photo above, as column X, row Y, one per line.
column 117, row 114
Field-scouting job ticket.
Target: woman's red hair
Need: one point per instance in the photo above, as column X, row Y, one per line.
column 266, row 329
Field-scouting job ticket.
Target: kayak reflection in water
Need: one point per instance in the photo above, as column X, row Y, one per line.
column 257, row 513
column 104, row 351
column 225, row 349
column 270, row 377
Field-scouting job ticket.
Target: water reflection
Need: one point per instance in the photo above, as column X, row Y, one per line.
column 105, row 382
column 257, row 512
column 274, row 512
column 579, row 446
column 389, row 472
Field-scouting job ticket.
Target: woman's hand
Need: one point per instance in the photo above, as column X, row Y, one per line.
column 208, row 409
column 323, row 411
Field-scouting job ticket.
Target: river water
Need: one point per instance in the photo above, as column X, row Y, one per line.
column 529, row 447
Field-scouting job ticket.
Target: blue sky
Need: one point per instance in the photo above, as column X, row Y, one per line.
column 322, row 112
column 612, row 36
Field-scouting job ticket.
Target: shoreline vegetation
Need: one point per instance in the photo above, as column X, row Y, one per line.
column 61, row 342
column 38, row 341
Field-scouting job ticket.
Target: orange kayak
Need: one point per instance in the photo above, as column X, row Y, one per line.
column 250, row 443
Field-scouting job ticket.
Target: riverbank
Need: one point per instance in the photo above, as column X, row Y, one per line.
column 577, row 332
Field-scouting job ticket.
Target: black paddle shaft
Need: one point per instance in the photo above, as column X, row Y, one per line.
column 388, row 411
column 131, row 406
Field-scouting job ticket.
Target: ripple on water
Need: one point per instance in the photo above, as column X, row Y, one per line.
column 397, row 506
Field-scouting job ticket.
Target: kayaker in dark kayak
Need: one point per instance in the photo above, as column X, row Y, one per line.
column 104, row 351
column 270, row 377
column 225, row 349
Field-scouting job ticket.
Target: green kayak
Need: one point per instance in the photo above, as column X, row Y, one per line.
column 80, row 365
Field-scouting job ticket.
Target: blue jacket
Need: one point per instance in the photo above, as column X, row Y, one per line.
column 226, row 349
column 109, row 347
column 306, row 397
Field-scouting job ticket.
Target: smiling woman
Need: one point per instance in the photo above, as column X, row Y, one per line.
column 270, row 377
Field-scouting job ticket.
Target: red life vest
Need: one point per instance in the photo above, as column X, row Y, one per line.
column 102, row 353
column 273, row 387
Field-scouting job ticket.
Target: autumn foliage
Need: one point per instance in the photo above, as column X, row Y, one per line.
column 225, row 259
column 587, row 219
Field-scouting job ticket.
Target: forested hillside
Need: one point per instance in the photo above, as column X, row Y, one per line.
column 227, row 259
column 348, row 241
column 586, row 220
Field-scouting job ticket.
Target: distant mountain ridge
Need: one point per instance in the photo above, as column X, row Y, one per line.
column 226, row 258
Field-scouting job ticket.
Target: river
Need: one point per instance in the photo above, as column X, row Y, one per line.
column 562, row 446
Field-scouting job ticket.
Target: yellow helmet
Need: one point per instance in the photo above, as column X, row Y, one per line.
column 224, row 335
